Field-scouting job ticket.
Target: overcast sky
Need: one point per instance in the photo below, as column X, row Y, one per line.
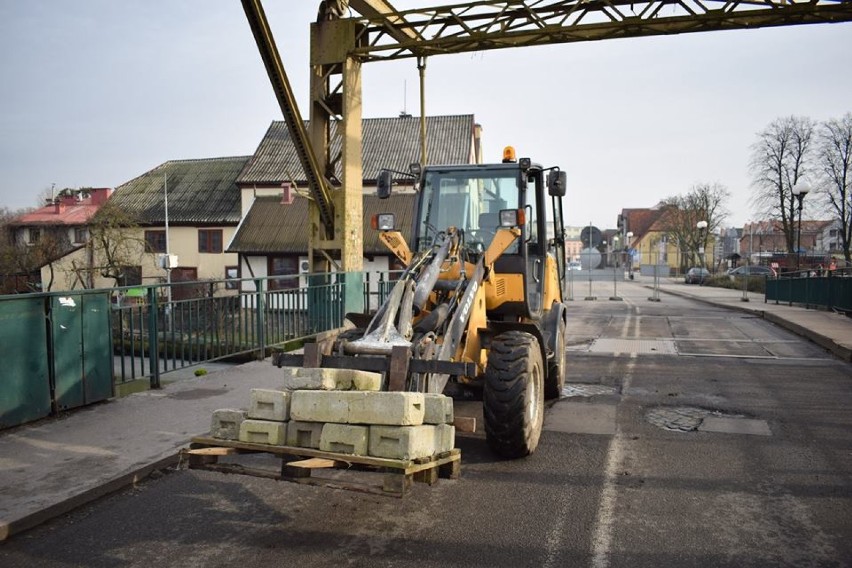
column 96, row 92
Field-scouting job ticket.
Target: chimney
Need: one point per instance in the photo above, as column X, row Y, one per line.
column 99, row 195
column 287, row 196
column 58, row 206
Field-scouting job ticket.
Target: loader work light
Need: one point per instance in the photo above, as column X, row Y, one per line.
column 382, row 222
column 508, row 154
column 512, row 217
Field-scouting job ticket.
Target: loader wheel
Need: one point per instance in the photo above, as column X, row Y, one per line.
column 513, row 397
column 556, row 366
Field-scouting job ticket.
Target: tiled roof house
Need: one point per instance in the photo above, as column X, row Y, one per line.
column 272, row 238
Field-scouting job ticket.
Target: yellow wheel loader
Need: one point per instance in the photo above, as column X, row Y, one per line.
column 480, row 302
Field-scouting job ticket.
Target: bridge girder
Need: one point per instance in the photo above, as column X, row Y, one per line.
column 484, row 25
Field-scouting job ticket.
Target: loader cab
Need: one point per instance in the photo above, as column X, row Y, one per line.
column 470, row 198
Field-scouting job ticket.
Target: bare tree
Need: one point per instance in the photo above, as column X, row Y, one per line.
column 779, row 161
column 112, row 245
column 834, row 160
column 703, row 202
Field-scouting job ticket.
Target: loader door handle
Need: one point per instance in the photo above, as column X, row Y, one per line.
column 536, row 264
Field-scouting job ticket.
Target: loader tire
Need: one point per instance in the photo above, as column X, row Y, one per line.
column 513, row 395
column 557, row 366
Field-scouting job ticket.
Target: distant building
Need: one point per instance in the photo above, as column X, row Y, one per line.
column 50, row 233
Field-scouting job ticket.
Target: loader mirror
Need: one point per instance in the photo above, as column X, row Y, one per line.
column 384, row 184
column 556, row 183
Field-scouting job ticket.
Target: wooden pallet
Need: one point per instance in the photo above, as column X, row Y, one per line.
column 298, row 465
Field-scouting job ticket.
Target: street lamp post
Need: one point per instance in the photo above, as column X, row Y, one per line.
column 702, row 227
column 615, row 253
column 800, row 190
column 629, row 264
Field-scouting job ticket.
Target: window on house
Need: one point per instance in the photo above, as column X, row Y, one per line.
column 283, row 266
column 155, row 241
column 81, row 235
column 35, row 236
column 232, row 274
column 130, row 276
column 210, row 240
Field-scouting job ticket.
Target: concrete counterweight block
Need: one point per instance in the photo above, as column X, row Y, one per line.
column 439, row 409
column 225, row 424
column 445, row 438
column 345, row 439
column 331, row 379
column 387, row 408
column 263, row 432
column 304, row 434
column 321, row 406
column 402, row 442
column 269, row 405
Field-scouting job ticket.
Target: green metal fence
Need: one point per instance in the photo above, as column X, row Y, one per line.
column 155, row 334
column 67, row 349
column 57, row 354
column 828, row 290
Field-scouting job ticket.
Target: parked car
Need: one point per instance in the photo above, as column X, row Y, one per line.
column 696, row 275
column 742, row 271
column 575, row 265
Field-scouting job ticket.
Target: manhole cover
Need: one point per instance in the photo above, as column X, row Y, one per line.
column 585, row 390
column 679, row 418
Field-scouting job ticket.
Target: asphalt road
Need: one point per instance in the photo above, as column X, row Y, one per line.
column 688, row 436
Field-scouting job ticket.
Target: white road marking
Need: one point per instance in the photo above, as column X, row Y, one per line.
column 603, row 531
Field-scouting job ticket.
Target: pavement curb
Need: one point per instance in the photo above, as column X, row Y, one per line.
column 9, row 528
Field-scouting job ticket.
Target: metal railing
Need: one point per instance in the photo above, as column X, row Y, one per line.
column 830, row 290
column 213, row 320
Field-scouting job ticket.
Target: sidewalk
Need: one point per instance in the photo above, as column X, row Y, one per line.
column 53, row 466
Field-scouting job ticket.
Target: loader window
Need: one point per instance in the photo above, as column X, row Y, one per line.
column 464, row 199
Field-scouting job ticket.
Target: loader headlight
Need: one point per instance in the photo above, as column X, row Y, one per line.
column 512, row 217
column 382, row 222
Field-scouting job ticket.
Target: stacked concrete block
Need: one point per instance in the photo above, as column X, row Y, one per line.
column 321, row 406
column 402, row 442
column 345, row 439
column 270, row 405
column 331, row 379
column 226, row 422
column 304, row 434
column 438, row 409
column 263, row 432
column 342, row 411
column 445, row 438
column 387, row 408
